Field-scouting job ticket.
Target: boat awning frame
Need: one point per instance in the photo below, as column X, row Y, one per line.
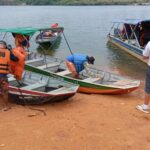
column 132, row 21
column 28, row 30
column 135, row 22
column 22, row 31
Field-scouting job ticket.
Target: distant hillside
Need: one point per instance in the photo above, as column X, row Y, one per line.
column 7, row 2
column 71, row 2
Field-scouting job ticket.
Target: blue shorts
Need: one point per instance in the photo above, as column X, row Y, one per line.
column 147, row 81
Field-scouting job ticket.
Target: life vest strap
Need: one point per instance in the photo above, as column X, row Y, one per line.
column 4, row 69
column 4, row 65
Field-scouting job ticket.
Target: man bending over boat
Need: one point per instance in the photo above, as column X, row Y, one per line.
column 5, row 57
column 145, row 106
column 78, row 62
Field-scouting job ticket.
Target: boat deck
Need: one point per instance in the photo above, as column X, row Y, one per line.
column 49, row 65
column 34, row 86
column 63, row 73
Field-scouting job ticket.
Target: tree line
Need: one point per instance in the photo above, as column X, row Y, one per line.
column 70, row 2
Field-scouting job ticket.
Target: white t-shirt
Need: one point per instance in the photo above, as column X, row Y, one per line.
column 146, row 52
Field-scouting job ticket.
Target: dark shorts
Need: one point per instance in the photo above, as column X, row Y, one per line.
column 147, row 81
column 3, row 85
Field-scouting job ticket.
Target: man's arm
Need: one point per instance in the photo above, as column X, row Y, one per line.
column 87, row 69
column 12, row 56
column 145, row 57
column 86, row 66
column 146, row 51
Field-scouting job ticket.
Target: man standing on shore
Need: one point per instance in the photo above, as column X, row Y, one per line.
column 145, row 106
column 5, row 57
column 4, row 70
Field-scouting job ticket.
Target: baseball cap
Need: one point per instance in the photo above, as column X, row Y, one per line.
column 91, row 59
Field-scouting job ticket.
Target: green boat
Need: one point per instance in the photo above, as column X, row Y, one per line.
column 93, row 80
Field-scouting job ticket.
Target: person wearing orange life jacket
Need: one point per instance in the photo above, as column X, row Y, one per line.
column 21, row 40
column 5, row 57
column 17, row 68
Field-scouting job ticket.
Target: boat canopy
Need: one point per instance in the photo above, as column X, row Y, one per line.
column 28, row 30
column 24, row 31
column 132, row 29
column 132, row 21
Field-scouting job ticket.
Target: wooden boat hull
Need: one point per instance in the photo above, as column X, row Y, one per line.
column 85, row 87
column 105, row 91
column 21, row 96
column 130, row 49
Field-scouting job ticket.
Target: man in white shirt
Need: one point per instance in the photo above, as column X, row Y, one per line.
column 145, row 106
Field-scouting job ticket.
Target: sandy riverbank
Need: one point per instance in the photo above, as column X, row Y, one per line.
column 85, row 122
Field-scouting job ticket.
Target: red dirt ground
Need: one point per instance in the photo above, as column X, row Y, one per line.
column 85, row 122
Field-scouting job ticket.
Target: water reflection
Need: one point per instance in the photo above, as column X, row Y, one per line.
column 125, row 64
column 86, row 29
column 48, row 48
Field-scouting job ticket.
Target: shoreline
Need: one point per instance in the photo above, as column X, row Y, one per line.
column 108, row 122
column 104, row 4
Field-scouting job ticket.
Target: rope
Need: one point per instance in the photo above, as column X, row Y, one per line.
column 25, row 102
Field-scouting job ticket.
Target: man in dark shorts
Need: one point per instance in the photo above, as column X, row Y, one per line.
column 5, row 56
column 145, row 106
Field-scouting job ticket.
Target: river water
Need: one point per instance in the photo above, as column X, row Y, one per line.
column 86, row 29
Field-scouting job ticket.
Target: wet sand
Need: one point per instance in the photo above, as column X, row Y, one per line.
column 84, row 122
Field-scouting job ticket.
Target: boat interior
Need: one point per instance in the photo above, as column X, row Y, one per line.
column 37, row 82
column 90, row 76
column 135, row 34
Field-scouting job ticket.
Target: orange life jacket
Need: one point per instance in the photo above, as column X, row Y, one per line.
column 19, row 39
column 4, row 61
column 17, row 68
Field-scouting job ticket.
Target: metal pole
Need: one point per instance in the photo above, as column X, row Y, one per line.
column 135, row 36
column 109, row 33
column 67, row 43
column 126, row 33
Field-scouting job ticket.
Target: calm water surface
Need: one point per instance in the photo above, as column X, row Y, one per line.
column 86, row 28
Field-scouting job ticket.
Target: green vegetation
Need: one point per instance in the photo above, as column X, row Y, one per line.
column 71, row 2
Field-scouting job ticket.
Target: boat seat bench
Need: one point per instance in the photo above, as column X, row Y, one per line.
column 10, row 79
column 34, row 60
column 59, row 90
column 63, row 73
column 91, row 80
column 34, row 86
column 48, row 65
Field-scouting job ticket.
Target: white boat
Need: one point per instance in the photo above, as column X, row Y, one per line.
column 35, row 88
column 130, row 35
column 55, row 33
